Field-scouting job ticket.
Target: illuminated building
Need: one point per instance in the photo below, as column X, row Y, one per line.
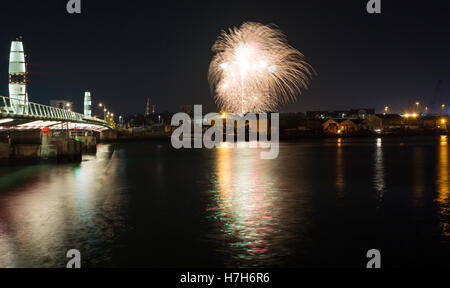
column 147, row 107
column 62, row 104
column 361, row 113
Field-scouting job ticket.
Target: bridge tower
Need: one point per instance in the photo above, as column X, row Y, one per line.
column 18, row 78
column 87, row 104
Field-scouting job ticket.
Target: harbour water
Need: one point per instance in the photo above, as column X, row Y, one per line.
column 321, row 203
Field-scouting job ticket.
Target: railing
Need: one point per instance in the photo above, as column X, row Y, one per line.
column 39, row 111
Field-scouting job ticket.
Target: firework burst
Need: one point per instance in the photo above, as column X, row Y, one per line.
column 255, row 70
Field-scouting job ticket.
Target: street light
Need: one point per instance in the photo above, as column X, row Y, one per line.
column 106, row 114
column 386, row 109
column 101, row 105
column 443, row 108
column 417, row 106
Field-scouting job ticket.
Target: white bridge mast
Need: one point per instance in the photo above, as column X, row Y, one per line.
column 18, row 78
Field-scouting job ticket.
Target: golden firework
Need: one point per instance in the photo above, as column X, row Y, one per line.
column 255, row 70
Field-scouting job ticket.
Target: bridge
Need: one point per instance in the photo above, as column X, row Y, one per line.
column 38, row 116
column 17, row 113
column 32, row 131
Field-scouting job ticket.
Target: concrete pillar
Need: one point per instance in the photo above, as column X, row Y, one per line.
column 5, row 151
column 44, row 153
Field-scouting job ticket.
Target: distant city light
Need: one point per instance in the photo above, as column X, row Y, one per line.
column 409, row 115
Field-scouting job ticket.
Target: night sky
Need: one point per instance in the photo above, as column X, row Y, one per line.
column 126, row 51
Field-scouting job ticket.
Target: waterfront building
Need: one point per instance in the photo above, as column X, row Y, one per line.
column 318, row 114
column 147, row 107
column 360, row 113
column 330, row 126
column 391, row 121
column 62, row 104
column 371, row 123
column 348, row 126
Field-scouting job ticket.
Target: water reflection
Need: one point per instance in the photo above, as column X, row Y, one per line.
column 267, row 213
column 340, row 177
column 418, row 176
column 59, row 208
column 379, row 174
column 443, row 184
column 245, row 207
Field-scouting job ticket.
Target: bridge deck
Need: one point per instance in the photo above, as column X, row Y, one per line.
column 36, row 116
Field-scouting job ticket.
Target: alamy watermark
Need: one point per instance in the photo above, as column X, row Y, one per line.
column 373, row 7
column 75, row 261
column 375, row 258
column 73, row 6
column 259, row 127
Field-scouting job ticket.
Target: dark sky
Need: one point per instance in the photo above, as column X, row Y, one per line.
column 125, row 51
